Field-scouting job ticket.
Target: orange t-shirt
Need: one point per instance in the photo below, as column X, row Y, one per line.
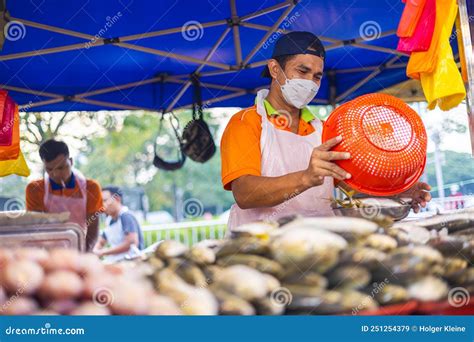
column 240, row 144
column 35, row 195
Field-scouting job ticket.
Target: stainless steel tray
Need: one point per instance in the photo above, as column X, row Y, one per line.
column 68, row 235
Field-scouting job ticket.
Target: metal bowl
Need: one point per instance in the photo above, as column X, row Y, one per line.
column 396, row 212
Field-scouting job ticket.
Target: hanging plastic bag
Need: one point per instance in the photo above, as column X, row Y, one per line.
column 7, row 110
column 17, row 166
column 444, row 86
column 425, row 61
column 12, row 151
column 421, row 38
column 410, row 17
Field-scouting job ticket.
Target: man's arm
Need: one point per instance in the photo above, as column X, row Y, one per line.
column 256, row 191
column 92, row 231
column 34, row 193
column 99, row 245
column 130, row 239
column 94, row 208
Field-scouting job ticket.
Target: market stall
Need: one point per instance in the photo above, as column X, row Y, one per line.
column 361, row 263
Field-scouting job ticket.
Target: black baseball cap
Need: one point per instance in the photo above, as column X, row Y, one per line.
column 296, row 43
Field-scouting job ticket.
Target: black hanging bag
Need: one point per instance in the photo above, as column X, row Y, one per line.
column 197, row 142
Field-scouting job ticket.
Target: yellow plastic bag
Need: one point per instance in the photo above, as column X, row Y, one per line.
column 14, row 167
column 425, row 61
column 444, row 86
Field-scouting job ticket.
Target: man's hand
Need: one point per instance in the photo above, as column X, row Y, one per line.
column 321, row 164
column 98, row 252
column 420, row 195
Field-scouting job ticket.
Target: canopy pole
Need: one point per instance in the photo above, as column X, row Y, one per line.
column 99, row 42
column 208, row 57
column 164, row 32
column 29, row 91
column 236, row 32
column 216, row 99
column 467, row 42
column 366, row 79
column 265, row 37
column 370, row 68
column 120, row 87
column 266, row 28
column 40, row 103
column 267, row 10
column 380, row 49
column 209, row 85
column 110, row 104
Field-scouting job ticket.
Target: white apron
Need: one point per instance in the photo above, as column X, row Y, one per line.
column 284, row 152
column 115, row 236
column 76, row 206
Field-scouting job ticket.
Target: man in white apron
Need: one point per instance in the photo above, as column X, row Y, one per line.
column 122, row 232
column 64, row 189
column 273, row 160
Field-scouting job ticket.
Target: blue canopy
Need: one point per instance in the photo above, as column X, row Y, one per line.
column 125, row 54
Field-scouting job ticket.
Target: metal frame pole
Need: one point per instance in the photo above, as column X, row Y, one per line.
column 469, row 62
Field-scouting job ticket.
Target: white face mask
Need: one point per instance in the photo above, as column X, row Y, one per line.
column 298, row 92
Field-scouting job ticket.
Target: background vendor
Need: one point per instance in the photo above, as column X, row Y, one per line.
column 273, row 159
column 122, row 232
column 65, row 189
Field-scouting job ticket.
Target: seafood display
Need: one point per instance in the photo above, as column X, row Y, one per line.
column 298, row 266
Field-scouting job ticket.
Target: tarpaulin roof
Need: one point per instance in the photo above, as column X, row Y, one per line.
column 130, row 54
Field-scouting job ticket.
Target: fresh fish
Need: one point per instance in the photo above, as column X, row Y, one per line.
column 307, row 279
column 428, row 288
column 242, row 281
column 230, row 304
column 367, row 257
column 452, row 222
column 170, row 249
column 191, row 300
column 426, row 253
column 388, row 294
column 256, row 229
column 303, row 247
column 257, row 262
column 201, row 255
column 244, row 245
column 349, row 277
column 188, row 271
column 339, row 225
column 268, row 306
column 381, row 242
